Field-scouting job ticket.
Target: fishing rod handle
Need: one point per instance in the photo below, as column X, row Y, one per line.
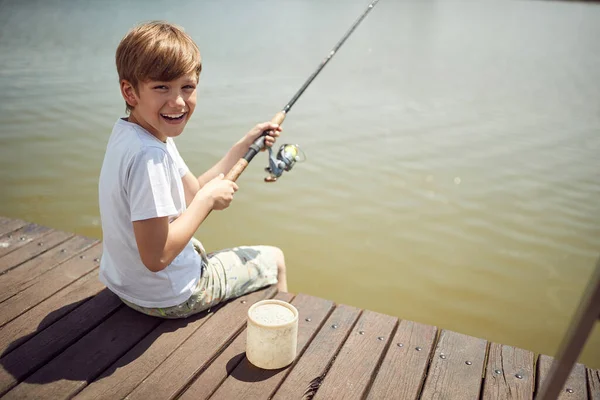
column 235, row 172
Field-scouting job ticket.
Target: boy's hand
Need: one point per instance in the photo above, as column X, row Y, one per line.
column 270, row 139
column 220, row 191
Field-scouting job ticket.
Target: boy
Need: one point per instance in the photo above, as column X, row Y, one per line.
column 151, row 204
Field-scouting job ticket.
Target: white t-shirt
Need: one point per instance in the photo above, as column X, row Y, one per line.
column 141, row 179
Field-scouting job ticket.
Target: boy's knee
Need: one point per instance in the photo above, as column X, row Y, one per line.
column 279, row 258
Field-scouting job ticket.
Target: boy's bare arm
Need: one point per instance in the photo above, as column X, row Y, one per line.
column 159, row 241
column 239, row 149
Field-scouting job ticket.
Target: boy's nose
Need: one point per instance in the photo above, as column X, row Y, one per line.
column 177, row 101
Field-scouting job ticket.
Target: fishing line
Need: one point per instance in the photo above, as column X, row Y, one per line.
column 289, row 154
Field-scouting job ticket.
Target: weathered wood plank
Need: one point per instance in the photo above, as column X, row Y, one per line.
column 70, row 371
column 213, row 376
column 404, row 368
column 49, row 283
column 57, row 337
column 8, row 225
column 456, row 367
column 576, row 386
column 593, row 378
column 509, row 373
column 249, row 382
column 353, row 369
column 28, row 324
column 21, row 278
column 169, row 379
column 16, row 239
column 306, row 376
column 32, row 249
column 130, row 370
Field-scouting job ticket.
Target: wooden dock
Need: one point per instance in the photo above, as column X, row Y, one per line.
column 64, row 335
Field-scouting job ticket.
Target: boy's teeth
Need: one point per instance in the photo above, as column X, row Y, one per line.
column 173, row 115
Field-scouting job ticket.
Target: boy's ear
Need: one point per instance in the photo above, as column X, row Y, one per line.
column 128, row 93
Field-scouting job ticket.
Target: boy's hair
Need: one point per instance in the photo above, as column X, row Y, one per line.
column 156, row 51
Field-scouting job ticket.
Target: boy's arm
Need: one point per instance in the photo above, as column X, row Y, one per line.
column 238, row 151
column 159, row 241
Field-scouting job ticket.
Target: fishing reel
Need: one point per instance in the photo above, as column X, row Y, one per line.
column 287, row 156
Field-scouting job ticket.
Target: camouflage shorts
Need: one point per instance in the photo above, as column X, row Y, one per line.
column 225, row 275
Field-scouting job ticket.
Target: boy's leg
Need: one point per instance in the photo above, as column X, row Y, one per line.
column 244, row 269
column 281, row 271
column 228, row 274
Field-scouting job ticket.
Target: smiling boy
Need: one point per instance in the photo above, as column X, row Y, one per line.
column 150, row 202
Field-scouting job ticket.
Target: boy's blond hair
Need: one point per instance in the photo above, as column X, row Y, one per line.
column 156, row 51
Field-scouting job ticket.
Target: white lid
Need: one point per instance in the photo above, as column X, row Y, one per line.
column 272, row 313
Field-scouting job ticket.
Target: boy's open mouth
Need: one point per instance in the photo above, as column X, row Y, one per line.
column 173, row 117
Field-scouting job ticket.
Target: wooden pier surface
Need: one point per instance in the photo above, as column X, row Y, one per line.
column 64, row 335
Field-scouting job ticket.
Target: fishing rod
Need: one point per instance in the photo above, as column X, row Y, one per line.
column 288, row 153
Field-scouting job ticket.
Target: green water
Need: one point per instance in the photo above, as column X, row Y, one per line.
column 453, row 147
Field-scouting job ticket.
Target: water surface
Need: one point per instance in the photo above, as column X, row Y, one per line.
column 453, row 147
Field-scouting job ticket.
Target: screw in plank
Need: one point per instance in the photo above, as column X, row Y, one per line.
column 361, row 332
column 400, row 345
column 380, row 338
column 22, row 238
column 40, row 243
column 307, row 319
column 519, row 376
column 442, row 356
column 569, row 390
column 10, row 236
column 468, row 362
column 243, row 301
column 418, row 349
column 82, row 257
column 96, row 259
column 334, row 326
column 498, row 371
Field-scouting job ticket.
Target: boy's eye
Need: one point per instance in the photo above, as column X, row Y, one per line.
column 189, row 87
column 160, row 87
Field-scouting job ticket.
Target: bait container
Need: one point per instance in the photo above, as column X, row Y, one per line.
column 272, row 334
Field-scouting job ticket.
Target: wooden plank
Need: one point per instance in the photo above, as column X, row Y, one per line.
column 169, row 379
column 16, row 239
column 404, row 368
column 213, row 376
column 456, row 367
column 28, row 324
column 509, row 373
column 49, row 283
column 56, row 338
column 312, row 366
column 133, row 367
column 21, row 278
column 249, row 382
column 353, row 369
column 32, row 249
column 8, row 225
column 70, row 371
column 575, row 387
column 593, row 378
column 128, row 372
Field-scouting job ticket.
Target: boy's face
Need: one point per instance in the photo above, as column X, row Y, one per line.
column 162, row 108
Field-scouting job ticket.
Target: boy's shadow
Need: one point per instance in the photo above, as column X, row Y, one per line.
column 26, row 359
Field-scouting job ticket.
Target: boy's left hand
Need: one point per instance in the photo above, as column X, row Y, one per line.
column 270, row 139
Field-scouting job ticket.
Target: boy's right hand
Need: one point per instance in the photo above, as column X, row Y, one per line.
column 220, row 191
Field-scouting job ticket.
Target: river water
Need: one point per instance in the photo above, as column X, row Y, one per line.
column 453, row 148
